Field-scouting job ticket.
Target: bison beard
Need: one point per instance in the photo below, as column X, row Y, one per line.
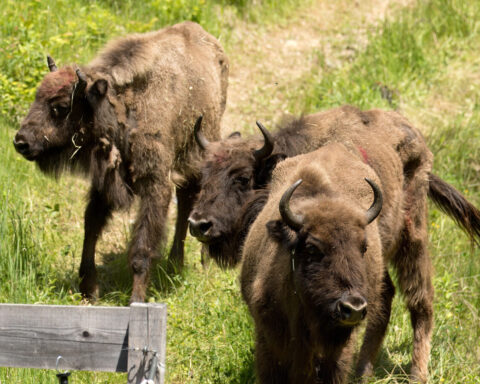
column 126, row 121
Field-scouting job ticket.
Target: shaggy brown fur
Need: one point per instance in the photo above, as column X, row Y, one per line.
column 232, row 195
column 293, row 280
column 129, row 131
column 231, row 176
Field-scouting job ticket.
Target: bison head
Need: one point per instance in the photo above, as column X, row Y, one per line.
column 327, row 242
column 232, row 170
column 60, row 119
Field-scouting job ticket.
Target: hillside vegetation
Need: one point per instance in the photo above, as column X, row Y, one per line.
column 422, row 60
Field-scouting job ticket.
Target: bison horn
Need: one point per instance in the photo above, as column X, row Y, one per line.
column 293, row 221
column 376, row 207
column 267, row 148
column 200, row 138
column 51, row 64
column 80, row 86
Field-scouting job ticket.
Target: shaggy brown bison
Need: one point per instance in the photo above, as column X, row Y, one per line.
column 235, row 186
column 313, row 267
column 126, row 120
column 237, row 170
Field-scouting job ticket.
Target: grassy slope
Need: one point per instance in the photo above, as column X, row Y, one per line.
column 428, row 56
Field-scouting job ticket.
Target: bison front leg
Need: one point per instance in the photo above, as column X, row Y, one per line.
column 269, row 369
column 185, row 199
column 334, row 368
column 378, row 320
column 149, row 232
column 96, row 215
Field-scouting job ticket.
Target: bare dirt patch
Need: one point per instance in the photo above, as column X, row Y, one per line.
column 266, row 63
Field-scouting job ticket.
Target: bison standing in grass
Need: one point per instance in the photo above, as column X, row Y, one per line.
column 126, row 120
column 235, row 186
column 313, row 267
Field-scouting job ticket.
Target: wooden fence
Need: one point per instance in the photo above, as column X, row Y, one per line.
column 88, row 338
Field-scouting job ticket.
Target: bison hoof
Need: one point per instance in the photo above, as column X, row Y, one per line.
column 418, row 377
column 89, row 290
column 136, row 298
column 363, row 371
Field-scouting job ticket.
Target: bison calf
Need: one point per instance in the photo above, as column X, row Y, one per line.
column 313, row 268
column 126, row 120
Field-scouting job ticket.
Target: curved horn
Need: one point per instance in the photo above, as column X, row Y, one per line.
column 376, row 207
column 293, row 221
column 200, row 138
column 267, row 148
column 51, row 64
column 79, row 86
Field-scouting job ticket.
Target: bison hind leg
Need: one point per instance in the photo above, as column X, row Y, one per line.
column 415, row 280
column 149, row 232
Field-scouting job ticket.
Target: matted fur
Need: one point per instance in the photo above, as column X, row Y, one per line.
column 298, row 338
column 378, row 137
column 397, row 153
column 130, row 131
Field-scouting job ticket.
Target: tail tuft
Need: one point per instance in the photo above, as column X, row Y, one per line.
column 455, row 205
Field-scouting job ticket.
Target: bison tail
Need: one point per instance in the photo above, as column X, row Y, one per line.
column 454, row 204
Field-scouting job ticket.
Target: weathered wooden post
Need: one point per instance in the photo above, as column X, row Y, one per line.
column 89, row 338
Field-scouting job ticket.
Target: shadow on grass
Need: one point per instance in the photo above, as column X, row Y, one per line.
column 115, row 279
column 385, row 368
column 247, row 372
column 243, row 373
column 115, row 276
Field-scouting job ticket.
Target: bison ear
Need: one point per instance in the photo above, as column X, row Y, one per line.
column 263, row 172
column 98, row 90
column 281, row 233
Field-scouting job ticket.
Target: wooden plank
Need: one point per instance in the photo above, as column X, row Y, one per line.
column 88, row 338
column 146, row 339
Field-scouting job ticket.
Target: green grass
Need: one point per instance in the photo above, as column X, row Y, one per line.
column 426, row 55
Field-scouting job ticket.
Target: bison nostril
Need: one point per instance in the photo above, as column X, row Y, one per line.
column 345, row 310
column 352, row 310
column 204, row 226
column 199, row 228
column 21, row 146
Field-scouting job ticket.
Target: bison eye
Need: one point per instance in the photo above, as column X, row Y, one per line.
column 242, row 180
column 312, row 250
column 364, row 248
column 60, row 111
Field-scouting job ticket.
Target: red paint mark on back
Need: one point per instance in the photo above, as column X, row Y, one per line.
column 364, row 154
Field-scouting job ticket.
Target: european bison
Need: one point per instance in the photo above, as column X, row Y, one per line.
column 126, row 121
column 237, row 170
column 236, row 181
column 313, row 267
